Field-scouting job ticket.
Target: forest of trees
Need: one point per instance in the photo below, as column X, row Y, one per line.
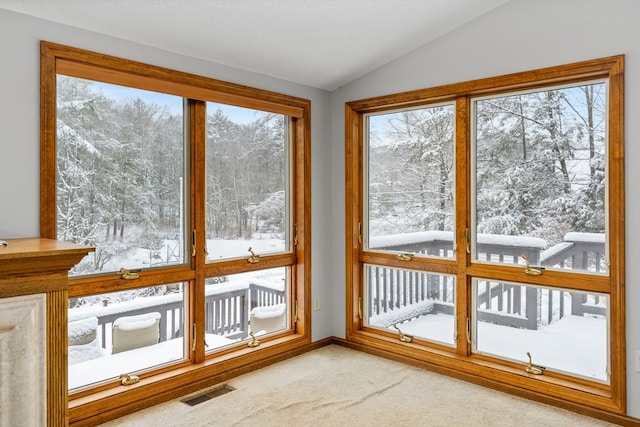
column 540, row 169
column 539, row 158
column 122, row 171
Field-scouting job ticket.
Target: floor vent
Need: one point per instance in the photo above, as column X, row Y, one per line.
column 218, row 391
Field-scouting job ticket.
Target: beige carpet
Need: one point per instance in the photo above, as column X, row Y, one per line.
column 336, row 386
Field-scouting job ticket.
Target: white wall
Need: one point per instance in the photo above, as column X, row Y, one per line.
column 20, row 36
column 518, row 36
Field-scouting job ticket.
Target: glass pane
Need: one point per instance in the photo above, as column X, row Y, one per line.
column 120, row 175
column 124, row 332
column 540, row 174
column 562, row 330
column 247, row 182
column 419, row 304
column 239, row 303
column 409, row 181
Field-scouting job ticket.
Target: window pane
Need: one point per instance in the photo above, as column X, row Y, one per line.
column 409, row 181
column 120, row 175
column 247, row 182
column 562, row 330
column 239, row 303
column 419, row 304
column 124, row 332
column 540, row 178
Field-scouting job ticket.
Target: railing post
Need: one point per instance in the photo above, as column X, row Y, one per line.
column 244, row 316
column 532, row 308
column 163, row 326
column 577, row 301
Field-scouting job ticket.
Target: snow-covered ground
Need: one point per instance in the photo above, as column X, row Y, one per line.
column 574, row 344
column 112, row 365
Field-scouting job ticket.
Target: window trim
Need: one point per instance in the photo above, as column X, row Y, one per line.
column 574, row 392
column 199, row 369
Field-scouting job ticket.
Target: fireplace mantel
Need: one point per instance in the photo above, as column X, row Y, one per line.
column 33, row 330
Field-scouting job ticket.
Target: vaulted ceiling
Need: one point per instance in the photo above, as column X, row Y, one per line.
column 320, row 43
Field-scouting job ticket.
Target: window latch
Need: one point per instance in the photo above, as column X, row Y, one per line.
column 402, row 337
column 532, row 369
column 253, row 259
column 128, row 275
column 530, row 270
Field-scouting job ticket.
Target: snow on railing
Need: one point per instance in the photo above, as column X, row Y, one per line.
column 521, row 306
column 227, row 308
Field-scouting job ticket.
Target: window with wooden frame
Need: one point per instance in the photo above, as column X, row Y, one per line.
column 195, row 194
column 485, row 230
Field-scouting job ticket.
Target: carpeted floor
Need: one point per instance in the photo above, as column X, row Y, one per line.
column 336, row 386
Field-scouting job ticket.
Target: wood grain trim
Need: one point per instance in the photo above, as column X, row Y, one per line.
column 611, row 68
column 592, row 69
column 109, row 69
column 57, row 397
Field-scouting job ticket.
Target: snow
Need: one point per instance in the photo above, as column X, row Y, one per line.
column 261, row 244
column 555, row 250
column 393, row 240
column 439, row 328
column 90, row 363
column 514, row 241
column 401, row 314
column 574, row 344
column 110, row 366
column 85, row 352
column 268, row 311
column 79, row 313
column 132, row 323
column 80, row 330
column 170, row 252
column 410, row 238
column 585, row 237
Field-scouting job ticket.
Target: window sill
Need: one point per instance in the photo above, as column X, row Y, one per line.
column 87, row 408
column 564, row 391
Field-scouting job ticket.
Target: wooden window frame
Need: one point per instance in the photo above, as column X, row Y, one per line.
column 110, row 399
column 561, row 390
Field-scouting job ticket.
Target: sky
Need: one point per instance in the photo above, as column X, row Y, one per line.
column 174, row 103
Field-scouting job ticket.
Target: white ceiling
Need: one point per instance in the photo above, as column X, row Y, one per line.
column 319, row 43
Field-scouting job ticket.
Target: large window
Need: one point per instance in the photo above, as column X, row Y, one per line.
column 194, row 193
column 486, row 229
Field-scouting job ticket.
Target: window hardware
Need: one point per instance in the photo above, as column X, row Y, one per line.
column 193, row 243
column 404, row 257
column 126, row 379
column 468, row 237
column 531, row 369
column 360, row 308
column 254, row 342
column 129, row 275
column 530, row 270
column 360, row 232
column 253, row 259
column 193, row 337
column 468, row 331
column 295, row 234
column 402, row 337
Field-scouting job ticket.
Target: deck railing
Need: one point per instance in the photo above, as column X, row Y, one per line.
column 227, row 311
column 501, row 303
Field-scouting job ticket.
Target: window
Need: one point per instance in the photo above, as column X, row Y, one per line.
column 485, row 229
column 194, row 193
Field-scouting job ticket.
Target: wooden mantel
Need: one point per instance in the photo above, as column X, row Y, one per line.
column 36, row 269
column 38, row 256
